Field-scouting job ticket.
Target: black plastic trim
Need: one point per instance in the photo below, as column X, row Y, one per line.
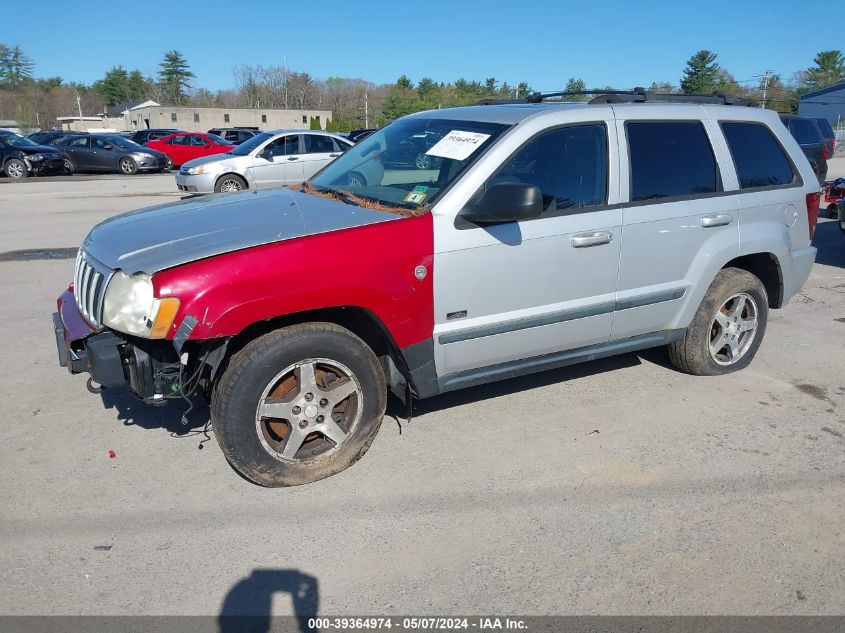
column 419, row 359
column 651, row 298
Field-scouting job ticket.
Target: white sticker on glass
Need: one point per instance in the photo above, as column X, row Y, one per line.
column 458, row 145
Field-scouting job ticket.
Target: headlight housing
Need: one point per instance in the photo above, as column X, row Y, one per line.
column 130, row 307
column 205, row 168
column 144, row 155
column 36, row 157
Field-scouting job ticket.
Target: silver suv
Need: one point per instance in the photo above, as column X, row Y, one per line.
column 538, row 235
column 268, row 159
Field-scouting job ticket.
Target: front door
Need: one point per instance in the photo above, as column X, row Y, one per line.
column 511, row 292
column 277, row 163
column 103, row 155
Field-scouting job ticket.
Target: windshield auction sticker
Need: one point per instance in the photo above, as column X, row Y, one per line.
column 458, row 145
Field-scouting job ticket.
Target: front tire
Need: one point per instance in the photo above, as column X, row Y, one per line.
column 68, row 168
column 230, row 183
column 298, row 404
column 16, row 169
column 727, row 328
column 128, row 166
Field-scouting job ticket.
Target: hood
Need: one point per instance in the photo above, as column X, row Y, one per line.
column 160, row 237
column 213, row 158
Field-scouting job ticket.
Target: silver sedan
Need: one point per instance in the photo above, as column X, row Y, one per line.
column 269, row 159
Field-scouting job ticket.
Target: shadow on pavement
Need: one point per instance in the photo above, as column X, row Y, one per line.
column 132, row 411
column 831, row 243
column 247, row 608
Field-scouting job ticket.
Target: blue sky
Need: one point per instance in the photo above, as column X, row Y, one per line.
column 543, row 43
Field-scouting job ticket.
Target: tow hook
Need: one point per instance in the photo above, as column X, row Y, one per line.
column 95, row 390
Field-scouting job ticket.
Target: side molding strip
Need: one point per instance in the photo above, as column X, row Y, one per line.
column 560, row 316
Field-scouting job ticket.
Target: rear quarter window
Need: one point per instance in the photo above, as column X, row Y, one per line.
column 758, row 156
column 670, row 159
column 806, row 132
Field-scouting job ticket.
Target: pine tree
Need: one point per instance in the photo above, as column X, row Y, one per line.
column 829, row 69
column 15, row 67
column 174, row 76
column 575, row 85
column 701, row 76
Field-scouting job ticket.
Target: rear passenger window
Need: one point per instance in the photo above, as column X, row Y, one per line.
column 568, row 164
column 670, row 159
column 759, row 158
column 805, row 131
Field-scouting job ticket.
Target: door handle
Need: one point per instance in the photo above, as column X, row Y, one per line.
column 583, row 240
column 334, row 155
column 293, row 157
column 716, row 220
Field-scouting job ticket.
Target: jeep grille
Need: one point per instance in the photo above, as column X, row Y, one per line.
column 89, row 286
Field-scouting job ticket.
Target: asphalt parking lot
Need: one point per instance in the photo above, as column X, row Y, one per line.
column 616, row 487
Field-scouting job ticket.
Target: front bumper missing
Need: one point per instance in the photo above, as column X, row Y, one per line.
column 113, row 360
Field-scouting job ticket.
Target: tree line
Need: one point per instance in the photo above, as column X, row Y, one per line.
column 36, row 102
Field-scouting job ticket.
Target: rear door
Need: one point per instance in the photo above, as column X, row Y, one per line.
column 176, row 148
column 508, row 293
column 277, row 163
column 809, row 137
column 319, row 151
column 681, row 217
column 79, row 152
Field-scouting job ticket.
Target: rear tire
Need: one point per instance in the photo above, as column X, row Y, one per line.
column 832, row 211
column 229, row 183
column 727, row 328
column 16, row 169
column 842, row 219
column 267, row 409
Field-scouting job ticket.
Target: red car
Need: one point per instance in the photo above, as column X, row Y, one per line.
column 184, row 146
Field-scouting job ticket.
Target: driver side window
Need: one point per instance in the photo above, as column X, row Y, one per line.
column 568, row 164
column 284, row 146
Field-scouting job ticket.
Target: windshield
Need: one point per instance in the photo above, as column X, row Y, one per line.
column 218, row 140
column 15, row 140
column 408, row 163
column 249, row 145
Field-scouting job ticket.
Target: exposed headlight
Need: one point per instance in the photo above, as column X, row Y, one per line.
column 36, row 157
column 130, row 307
column 205, row 168
column 144, row 155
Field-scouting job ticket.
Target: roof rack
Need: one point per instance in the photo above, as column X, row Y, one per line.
column 637, row 95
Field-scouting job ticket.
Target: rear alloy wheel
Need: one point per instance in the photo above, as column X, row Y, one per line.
column 298, row 404
column 16, row 169
column 128, row 166
column 422, row 161
column 230, row 183
column 727, row 328
column 168, row 166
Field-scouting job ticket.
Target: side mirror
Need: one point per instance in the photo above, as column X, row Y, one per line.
column 265, row 154
column 505, row 202
column 108, row 146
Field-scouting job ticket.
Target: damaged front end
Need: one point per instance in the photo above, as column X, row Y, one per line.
column 154, row 370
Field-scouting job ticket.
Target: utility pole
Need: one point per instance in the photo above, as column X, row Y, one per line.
column 767, row 76
column 285, row 58
column 366, row 112
column 79, row 106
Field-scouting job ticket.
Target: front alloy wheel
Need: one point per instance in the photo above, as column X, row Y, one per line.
column 16, row 169
column 128, row 166
column 308, row 410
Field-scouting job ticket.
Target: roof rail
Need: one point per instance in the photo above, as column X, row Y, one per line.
column 637, row 95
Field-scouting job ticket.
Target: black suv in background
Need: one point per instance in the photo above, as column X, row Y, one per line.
column 235, row 135
column 21, row 157
column 47, row 137
column 144, row 136
column 809, row 136
column 829, row 136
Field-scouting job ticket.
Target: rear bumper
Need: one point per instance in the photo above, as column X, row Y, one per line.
column 800, row 265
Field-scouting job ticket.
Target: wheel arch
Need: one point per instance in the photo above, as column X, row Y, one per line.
column 766, row 267
column 358, row 320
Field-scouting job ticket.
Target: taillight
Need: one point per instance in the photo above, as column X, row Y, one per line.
column 813, row 201
column 826, row 153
